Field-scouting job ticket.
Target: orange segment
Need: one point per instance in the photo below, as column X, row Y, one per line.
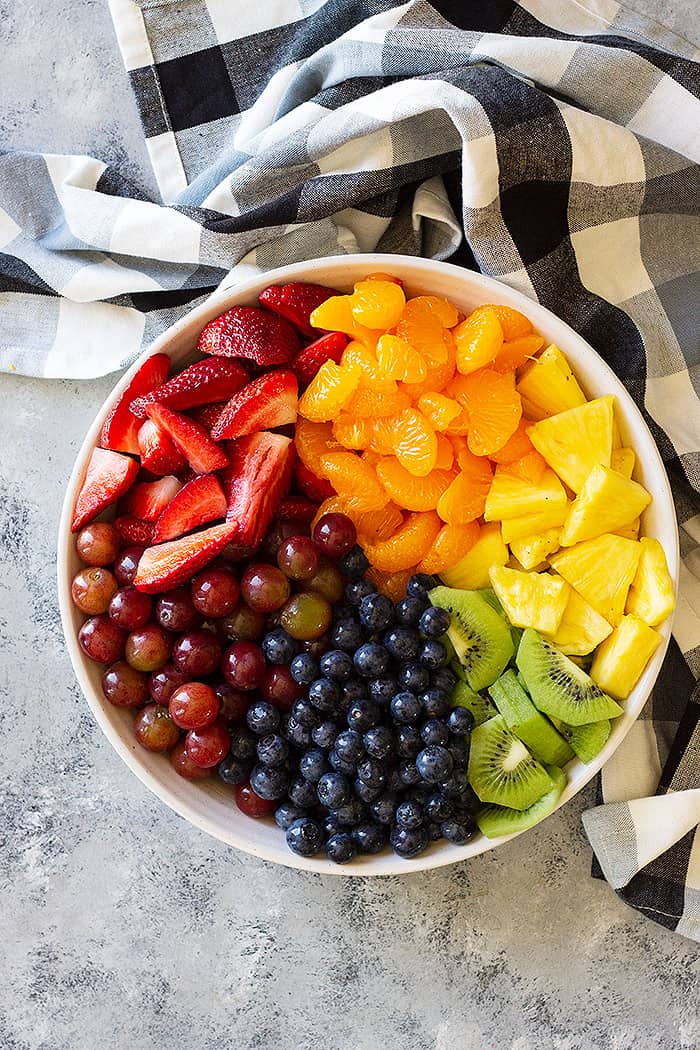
column 517, row 445
column 478, row 340
column 422, row 329
column 335, row 315
column 352, row 432
column 376, row 403
column 528, row 468
column 398, row 360
column 383, row 434
column 359, row 357
column 445, row 453
column 378, row 525
column 439, row 374
column 465, row 499
column 452, row 543
column 494, row 409
column 408, row 545
column 353, row 478
column 312, row 441
column 377, row 304
column 392, row 584
column 415, row 444
column 328, row 392
column 379, row 276
column 442, row 309
column 513, row 323
column 438, row 409
column 408, row 491
column 371, row 457
column 516, row 352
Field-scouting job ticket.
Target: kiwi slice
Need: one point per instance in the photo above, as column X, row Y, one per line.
column 480, row 706
column 495, row 821
column 502, row 770
column 521, row 715
column 490, row 596
column 480, row 637
column 558, row 687
column 586, row 740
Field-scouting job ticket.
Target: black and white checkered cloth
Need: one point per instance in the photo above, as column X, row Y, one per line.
column 553, row 144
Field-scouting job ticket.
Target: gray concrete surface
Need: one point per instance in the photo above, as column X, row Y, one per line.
column 121, row 926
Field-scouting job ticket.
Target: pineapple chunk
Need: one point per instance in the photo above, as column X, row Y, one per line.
column 531, row 524
column 631, row 531
column 623, row 460
column 606, row 502
column 530, row 599
column 471, row 573
column 581, row 628
column 651, row 595
column 601, row 570
column 622, row 657
column 573, row 442
column 617, row 439
column 511, row 497
column 532, row 550
column 547, row 385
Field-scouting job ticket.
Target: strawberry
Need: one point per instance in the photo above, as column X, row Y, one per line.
column 212, row 379
column 313, row 487
column 109, row 475
column 133, row 531
column 256, row 482
column 120, row 428
column 148, row 499
column 301, row 510
column 308, row 361
column 246, row 331
column 296, row 302
column 269, row 401
column 157, row 451
column 169, row 564
column 191, row 438
column 199, row 501
column 208, row 415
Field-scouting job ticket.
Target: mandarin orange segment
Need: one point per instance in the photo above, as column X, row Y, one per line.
column 335, row 315
column 445, row 453
column 408, row 491
column 359, row 357
column 328, row 392
column 494, row 409
column 438, row 409
column 530, row 467
column 513, row 323
column 392, row 584
column 439, row 374
column 370, row 456
column 376, row 403
column 517, row 445
column 378, row 525
column 313, row 440
column 408, row 545
column 445, row 312
column 353, row 478
column 398, row 360
column 383, row 435
column 379, row 276
column 415, row 443
column 452, row 543
column 351, row 432
column 517, row 352
column 478, row 340
column 332, row 505
column 377, row 304
column 465, row 499
column 423, row 330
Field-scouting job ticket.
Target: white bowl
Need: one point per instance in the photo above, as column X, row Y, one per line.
column 209, row 805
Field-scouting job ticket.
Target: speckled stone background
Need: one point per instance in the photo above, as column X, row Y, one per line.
column 123, row 927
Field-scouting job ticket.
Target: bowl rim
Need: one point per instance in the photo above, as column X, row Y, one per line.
column 222, row 298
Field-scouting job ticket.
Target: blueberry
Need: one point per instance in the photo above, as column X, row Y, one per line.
column 356, row 590
column 379, row 742
column 243, row 742
column 403, row 643
column 419, row 584
column 362, row 715
column 343, row 611
column 369, row 837
column 305, row 837
column 382, row 689
column 371, row 660
column 302, row 793
column 413, row 677
column 279, row 647
column 347, row 635
column 438, row 807
column 435, row 731
column 456, row 785
column 305, row 713
column 263, row 718
column 444, row 679
column 324, row 694
column 409, row 611
column 367, row 792
column 460, row 755
column 458, row 831
column 273, row 750
column 267, row 782
column 434, row 763
column 330, row 824
column 351, row 814
column 295, row 732
column 435, row 703
column 394, row 783
column 383, row 808
column 434, row 622
column 340, row 847
column 333, row 790
column 410, row 777
column 339, row 764
column 354, row 563
column 353, row 689
column 461, row 721
column 325, row 734
column 349, row 745
column 304, row 668
column 376, row 612
column 408, row 842
column 405, row 707
column 420, row 792
column 432, row 654
column 336, row 664
column 286, row 813
column 434, row 831
column 409, row 814
column 372, row 771
column 234, row 770
column 408, row 741
column 313, row 764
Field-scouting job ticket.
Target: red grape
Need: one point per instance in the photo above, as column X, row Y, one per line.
column 102, row 640
column 264, row 587
column 198, row 653
column 193, row 706
column 278, row 531
column 335, row 534
column 130, row 608
column 298, row 557
column 123, row 686
column 250, row 803
column 149, row 648
column 206, row 747
column 126, row 565
column 243, row 665
column 279, row 687
column 176, row 612
column 215, row 591
column 306, row 616
column 163, row 683
column 93, row 589
column 155, row 729
column 243, row 625
column 328, row 582
column 183, row 764
column 233, row 703
column 98, row 543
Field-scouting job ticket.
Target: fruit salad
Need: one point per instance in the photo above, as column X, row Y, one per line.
column 374, row 564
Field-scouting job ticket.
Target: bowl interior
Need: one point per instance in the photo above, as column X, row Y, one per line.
column 209, row 805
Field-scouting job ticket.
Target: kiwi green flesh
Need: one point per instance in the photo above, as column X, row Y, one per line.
column 523, row 718
column 494, row 821
column 502, row 770
column 587, row 741
column 558, row 687
column 491, row 598
column 481, row 638
column 480, row 706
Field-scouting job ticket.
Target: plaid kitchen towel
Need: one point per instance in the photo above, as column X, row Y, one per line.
column 553, row 144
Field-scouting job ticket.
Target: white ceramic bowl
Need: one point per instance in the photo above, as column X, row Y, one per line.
column 209, row 805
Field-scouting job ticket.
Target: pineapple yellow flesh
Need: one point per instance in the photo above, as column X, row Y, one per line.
column 530, row 599
column 601, row 570
column 581, row 627
column 623, row 655
column 573, row 442
column 651, row 596
column 533, row 549
column 511, row 497
column 547, row 385
column 471, row 573
column 623, row 460
column 631, row 531
column 532, row 524
column 607, row 502
column 617, row 439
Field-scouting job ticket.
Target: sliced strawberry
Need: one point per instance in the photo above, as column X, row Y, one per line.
column 315, row 488
column 109, row 475
column 296, row 302
column 256, row 482
column 328, row 348
column 169, row 564
column 246, row 331
column 268, row 401
column 120, row 428
column 199, row 501
column 135, row 532
column 208, row 415
column 158, row 452
column 297, row 510
column 191, row 438
column 148, row 499
column 212, row 379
